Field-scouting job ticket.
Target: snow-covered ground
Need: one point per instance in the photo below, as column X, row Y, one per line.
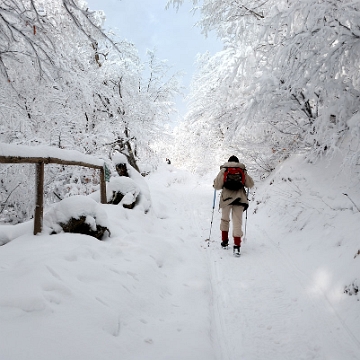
column 156, row 290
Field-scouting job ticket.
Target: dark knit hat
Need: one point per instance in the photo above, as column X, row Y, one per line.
column 233, row 158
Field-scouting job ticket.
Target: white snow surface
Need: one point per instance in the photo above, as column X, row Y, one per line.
column 157, row 290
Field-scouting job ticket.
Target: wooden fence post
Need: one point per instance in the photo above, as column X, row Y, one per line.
column 103, row 199
column 39, row 198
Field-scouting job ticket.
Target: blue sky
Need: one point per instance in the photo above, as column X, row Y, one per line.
column 149, row 25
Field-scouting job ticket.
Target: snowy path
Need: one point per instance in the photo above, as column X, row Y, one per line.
column 267, row 310
column 263, row 304
column 155, row 290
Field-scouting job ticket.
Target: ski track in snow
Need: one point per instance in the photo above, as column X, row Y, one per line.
column 262, row 304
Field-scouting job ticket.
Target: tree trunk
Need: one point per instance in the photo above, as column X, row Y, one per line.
column 129, row 153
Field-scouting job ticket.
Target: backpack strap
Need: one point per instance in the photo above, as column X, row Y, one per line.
column 225, row 174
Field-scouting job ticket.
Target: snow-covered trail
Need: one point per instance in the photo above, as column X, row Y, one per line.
column 156, row 290
column 267, row 308
column 263, row 305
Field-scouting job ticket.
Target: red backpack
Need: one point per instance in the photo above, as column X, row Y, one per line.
column 234, row 178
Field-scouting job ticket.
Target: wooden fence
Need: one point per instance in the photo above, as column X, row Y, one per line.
column 39, row 180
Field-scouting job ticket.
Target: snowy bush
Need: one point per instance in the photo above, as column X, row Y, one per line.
column 79, row 214
column 143, row 201
column 17, row 193
column 122, row 190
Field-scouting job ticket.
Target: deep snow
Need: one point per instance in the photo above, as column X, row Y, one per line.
column 156, row 290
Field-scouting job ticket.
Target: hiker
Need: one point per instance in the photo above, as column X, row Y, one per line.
column 233, row 199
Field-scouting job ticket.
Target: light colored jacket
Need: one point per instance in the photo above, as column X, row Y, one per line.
column 229, row 196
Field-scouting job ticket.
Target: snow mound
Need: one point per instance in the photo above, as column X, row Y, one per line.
column 75, row 207
column 126, row 187
column 144, row 199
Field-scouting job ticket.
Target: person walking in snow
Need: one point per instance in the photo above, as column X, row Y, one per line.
column 232, row 180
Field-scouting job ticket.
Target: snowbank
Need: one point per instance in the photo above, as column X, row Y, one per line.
column 140, row 294
column 74, row 207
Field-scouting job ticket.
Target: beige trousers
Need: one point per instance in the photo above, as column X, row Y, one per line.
column 236, row 215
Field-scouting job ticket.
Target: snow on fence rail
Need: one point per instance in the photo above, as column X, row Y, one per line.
column 41, row 155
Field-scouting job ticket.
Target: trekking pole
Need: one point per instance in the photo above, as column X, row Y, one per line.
column 212, row 217
column 246, row 216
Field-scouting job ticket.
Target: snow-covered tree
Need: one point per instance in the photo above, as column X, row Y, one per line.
column 313, row 79
column 65, row 83
column 287, row 78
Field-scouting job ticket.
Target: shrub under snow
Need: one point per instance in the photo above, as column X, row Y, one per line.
column 78, row 214
column 125, row 186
